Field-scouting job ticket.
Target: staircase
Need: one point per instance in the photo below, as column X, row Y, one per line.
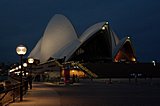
column 60, row 65
column 87, row 71
column 83, row 68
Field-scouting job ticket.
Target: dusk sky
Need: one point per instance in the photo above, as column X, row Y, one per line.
column 24, row 21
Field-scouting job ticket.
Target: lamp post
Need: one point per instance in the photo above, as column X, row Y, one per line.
column 21, row 51
column 154, row 68
column 154, row 63
column 25, row 65
column 30, row 61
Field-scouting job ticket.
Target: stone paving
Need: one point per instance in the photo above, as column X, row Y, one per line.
column 40, row 95
column 144, row 92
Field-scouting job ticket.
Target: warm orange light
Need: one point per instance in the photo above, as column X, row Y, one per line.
column 133, row 59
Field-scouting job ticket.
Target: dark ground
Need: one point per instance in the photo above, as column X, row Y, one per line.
column 119, row 93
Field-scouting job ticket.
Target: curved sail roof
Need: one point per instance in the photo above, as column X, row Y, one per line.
column 90, row 31
column 57, row 35
column 120, row 45
column 35, row 53
column 93, row 30
column 60, row 39
column 96, row 27
column 115, row 40
column 86, row 35
column 68, row 49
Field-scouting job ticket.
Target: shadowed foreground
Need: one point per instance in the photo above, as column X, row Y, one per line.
column 40, row 95
column 94, row 93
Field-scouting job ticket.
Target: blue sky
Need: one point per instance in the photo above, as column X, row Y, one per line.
column 24, row 21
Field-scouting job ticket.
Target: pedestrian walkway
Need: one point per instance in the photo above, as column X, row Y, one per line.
column 40, row 95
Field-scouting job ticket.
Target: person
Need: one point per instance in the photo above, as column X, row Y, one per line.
column 1, row 87
column 30, row 80
column 77, row 79
column 73, row 78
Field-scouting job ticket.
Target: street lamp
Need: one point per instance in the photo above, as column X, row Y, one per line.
column 21, row 51
column 154, row 63
column 24, row 64
column 30, row 61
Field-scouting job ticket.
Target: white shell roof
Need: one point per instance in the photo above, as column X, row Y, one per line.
column 69, row 49
column 60, row 39
column 90, row 31
column 120, row 45
column 35, row 53
column 115, row 40
column 96, row 27
column 57, row 35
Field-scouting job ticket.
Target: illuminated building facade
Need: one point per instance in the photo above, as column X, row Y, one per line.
column 98, row 44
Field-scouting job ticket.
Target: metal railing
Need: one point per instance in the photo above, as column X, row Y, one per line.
column 11, row 92
column 86, row 70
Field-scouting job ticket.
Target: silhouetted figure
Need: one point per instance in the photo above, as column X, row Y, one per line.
column 136, row 80
column 77, row 79
column 110, row 80
column 30, row 80
column 43, row 77
column 73, row 78
column 1, row 87
column 37, row 78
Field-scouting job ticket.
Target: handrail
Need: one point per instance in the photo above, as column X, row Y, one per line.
column 11, row 92
column 60, row 65
column 90, row 73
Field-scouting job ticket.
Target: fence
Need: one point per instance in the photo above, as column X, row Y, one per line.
column 11, row 92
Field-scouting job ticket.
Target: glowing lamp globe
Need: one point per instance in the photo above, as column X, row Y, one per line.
column 30, row 60
column 24, row 64
column 21, row 50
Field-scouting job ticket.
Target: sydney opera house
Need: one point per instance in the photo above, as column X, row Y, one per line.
column 97, row 45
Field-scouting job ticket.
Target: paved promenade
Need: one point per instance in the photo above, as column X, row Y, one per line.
column 40, row 95
column 144, row 92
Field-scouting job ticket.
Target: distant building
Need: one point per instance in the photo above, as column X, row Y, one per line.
column 97, row 43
